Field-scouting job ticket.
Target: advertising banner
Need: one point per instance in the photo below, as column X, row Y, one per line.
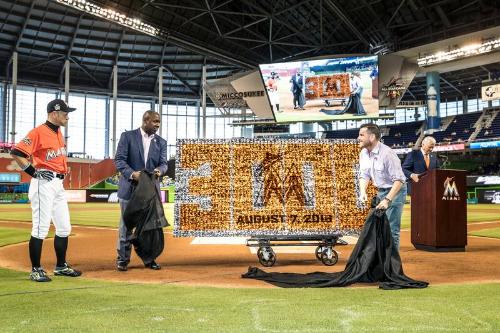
column 10, row 177
column 486, row 144
column 396, row 74
column 244, row 187
column 488, row 196
column 101, row 196
column 76, row 195
column 483, row 180
column 241, row 90
column 490, row 90
column 452, row 147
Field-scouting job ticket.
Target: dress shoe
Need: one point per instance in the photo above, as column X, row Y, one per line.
column 153, row 265
column 121, row 267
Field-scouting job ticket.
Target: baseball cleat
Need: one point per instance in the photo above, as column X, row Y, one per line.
column 39, row 275
column 66, row 270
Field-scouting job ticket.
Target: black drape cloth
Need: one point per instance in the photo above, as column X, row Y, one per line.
column 354, row 105
column 144, row 214
column 372, row 260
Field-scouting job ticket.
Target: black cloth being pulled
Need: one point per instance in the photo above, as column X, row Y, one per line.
column 372, row 260
column 144, row 214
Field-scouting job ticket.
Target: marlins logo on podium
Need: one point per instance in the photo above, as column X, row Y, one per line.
column 450, row 189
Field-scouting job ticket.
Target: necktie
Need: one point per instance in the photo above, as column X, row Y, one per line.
column 427, row 160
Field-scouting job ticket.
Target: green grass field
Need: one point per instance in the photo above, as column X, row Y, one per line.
column 16, row 235
column 492, row 233
column 85, row 305
column 107, row 215
column 81, row 305
column 92, row 214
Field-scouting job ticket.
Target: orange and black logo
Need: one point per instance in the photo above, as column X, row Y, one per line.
column 450, row 189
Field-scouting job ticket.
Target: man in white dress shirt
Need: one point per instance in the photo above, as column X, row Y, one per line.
column 381, row 165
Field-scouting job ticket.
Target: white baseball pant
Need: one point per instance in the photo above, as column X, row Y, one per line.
column 48, row 202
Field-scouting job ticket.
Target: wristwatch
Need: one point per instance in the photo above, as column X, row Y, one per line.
column 389, row 200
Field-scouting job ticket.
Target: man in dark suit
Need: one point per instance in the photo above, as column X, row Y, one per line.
column 139, row 149
column 297, row 82
column 421, row 160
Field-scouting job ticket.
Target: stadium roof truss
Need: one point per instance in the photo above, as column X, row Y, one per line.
column 227, row 36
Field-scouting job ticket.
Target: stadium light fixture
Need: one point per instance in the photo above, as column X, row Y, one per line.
column 113, row 16
column 463, row 52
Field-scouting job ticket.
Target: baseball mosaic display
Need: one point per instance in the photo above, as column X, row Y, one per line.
column 243, row 187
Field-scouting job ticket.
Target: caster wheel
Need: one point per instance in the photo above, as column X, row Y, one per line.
column 318, row 251
column 329, row 256
column 266, row 255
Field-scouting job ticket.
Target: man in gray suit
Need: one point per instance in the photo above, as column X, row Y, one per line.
column 138, row 150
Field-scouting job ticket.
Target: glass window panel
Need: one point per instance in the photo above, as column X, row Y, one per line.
column 210, row 128
column 171, row 130
column 181, row 121
column 192, row 110
column 123, row 116
column 25, row 111
column 76, row 124
column 192, row 128
column 295, row 128
column 484, row 104
column 472, row 105
column 43, row 97
column 139, row 108
column 95, row 131
column 219, row 128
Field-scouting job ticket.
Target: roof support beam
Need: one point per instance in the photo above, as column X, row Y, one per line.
column 41, row 63
column 23, row 29
column 347, row 22
column 85, row 70
column 270, row 39
column 70, row 47
column 156, row 86
column 395, row 13
column 213, row 18
column 178, row 78
column 244, row 26
column 443, row 17
column 138, row 73
column 117, row 56
column 451, row 85
column 278, row 21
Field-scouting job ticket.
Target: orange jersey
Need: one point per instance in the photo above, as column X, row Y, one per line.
column 46, row 147
column 272, row 84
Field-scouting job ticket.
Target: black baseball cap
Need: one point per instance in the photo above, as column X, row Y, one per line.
column 59, row 105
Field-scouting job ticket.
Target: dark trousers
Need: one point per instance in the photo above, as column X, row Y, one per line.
column 123, row 246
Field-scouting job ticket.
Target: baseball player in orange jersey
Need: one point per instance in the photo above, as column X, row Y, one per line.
column 46, row 148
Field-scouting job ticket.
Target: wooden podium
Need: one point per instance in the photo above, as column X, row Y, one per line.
column 439, row 211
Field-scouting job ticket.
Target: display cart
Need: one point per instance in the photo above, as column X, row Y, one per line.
column 325, row 244
column 339, row 101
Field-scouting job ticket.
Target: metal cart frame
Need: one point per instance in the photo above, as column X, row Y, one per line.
column 325, row 244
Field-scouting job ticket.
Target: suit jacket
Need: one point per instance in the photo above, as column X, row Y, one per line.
column 415, row 163
column 130, row 157
column 297, row 86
